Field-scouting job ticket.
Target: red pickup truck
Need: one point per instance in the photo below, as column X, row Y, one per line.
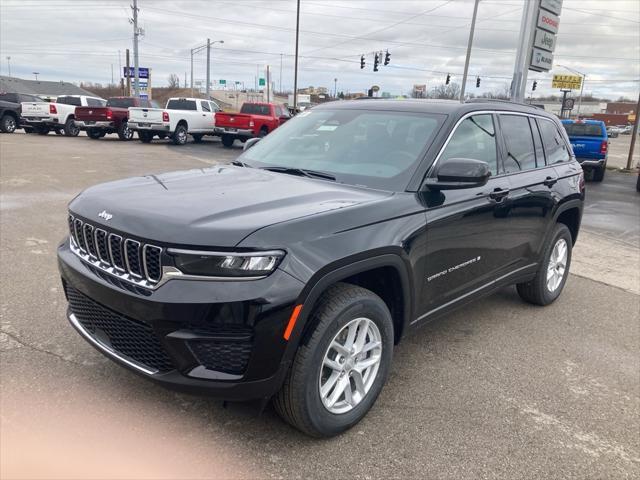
column 98, row 121
column 254, row 120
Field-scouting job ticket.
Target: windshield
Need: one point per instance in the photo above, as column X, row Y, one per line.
column 378, row 149
column 583, row 129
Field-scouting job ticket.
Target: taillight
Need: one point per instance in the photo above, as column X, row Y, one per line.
column 52, row 108
column 128, row 114
column 603, row 147
column 109, row 114
column 165, row 116
column 251, row 124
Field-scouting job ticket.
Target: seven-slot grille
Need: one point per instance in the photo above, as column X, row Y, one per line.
column 123, row 257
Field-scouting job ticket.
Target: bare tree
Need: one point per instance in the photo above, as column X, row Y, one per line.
column 449, row 92
column 174, row 81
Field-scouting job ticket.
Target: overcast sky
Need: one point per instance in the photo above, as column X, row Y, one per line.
column 80, row 40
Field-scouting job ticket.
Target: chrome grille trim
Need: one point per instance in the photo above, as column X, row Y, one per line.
column 83, row 235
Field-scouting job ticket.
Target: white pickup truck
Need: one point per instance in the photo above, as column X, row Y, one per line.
column 180, row 117
column 58, row 116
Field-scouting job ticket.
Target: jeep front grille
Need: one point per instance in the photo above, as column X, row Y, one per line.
column 128, row 259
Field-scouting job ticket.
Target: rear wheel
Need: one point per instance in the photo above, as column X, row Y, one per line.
column 179, row 137
column 70, row 128
column 341, row 367
column 58, row 131
column 227, row 141
column 8, row 124
column 553, row 271
column 145, row 137
column 42, row 130
column 598, row 173
column 93, row 133
column 124, row 132
column 264, row 131
column 197, row 137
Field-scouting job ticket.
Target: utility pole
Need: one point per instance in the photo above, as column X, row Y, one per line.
column 280, row 74
column 335, row 88
column 9, row 65
column 36, row 74
column 634, row 136
column 208, row 64
column 112, row 83
column 295, row 68
column 469, row 45
column 128, row 76
column 136, row 34
column 185, row 79
column 268, row 84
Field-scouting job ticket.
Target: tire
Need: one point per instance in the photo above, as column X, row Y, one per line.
column 299, row 402
column 8, row 123
column 180, row 135
column 264, row 131
column 162, row 136
column 70, row 128
column 94, row 134
column 42, row 130
column 28, row 130
column 197, row 137
column 58, row 131
column 598, row 173
column 638, row 183
column 538, row 291
column 124, row 132
column 227, row 141
column 145, row 137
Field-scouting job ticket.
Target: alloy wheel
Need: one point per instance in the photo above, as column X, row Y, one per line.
column 557, row 265
column 350, row 365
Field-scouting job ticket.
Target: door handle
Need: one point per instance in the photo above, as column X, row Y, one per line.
column 498, row 194
column 550, row 181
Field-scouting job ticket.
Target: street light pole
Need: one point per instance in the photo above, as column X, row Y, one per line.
column 295, row 68
column 9, row 64
column 36, row 74
column 208, row 67
column 634, row 136
column 192, row 72
column 469, row 45
column 335, row 88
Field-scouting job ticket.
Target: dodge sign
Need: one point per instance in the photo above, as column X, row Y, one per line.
column 548, row 21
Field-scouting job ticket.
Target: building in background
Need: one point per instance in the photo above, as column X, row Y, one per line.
column 44, row 89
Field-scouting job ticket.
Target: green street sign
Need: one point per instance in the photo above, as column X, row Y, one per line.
column 261, row 82
column 222, row 82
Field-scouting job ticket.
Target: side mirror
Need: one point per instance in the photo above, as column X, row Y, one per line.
column 250, row 143
column 457, row 173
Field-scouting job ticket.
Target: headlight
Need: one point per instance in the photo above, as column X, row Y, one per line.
column 223, row 264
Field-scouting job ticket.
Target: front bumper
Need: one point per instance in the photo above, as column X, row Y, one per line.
column 150, row 127
column 240, row 132
column 83, row 125
column 223, row 339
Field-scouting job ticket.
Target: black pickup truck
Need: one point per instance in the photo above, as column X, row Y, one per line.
column 292, row 272
column 11, row 110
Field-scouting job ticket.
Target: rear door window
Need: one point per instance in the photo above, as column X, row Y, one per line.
column 75, row 101
column 182, row 104
column 475, row 138
column 205, row 106
column 518, row 139
column 555, row 148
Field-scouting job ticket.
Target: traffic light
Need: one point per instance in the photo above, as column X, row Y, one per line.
column 376, row 61
column 535, row 84
column 477, row 82
column 448, row 79
column 387, row 58
column 362, row 63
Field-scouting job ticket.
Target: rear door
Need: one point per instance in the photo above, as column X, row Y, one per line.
column 532, row 182
column 468, row 233
column 588, row 140
column 206, row 119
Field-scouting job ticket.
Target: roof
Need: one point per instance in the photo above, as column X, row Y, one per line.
column 445, row 107
column 40, row 87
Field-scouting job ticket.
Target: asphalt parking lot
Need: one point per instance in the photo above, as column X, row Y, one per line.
column 499, row 389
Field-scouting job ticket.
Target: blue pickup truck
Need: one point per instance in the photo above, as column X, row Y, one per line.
column 590, row 144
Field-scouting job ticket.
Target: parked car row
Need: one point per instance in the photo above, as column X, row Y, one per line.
column 181, row 117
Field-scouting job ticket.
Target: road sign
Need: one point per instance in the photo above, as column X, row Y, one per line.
column 142, row 72
column 568, row 103
column 544, row 40
column 567, row 82
column 375, row 88
column 548, row 21
column 554, row 6
column 541, row 60
column 261, row 82
column 222, row 82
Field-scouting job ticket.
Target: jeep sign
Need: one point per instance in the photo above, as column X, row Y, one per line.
column 548, row 21
column 544, row 40
column 541, row 60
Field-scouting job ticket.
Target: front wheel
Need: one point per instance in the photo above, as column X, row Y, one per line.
column 341, row 367
column 552, row 274
column 124, row 132
column 145, row 137
column 8, row 124
column 179, row 137
column 43, row 130
column 94, row 134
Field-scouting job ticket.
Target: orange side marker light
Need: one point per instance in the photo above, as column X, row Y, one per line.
column 292, row 321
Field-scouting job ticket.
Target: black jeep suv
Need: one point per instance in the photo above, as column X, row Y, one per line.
column 293, row 272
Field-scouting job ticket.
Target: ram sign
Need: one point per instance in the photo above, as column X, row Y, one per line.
column 541, row 60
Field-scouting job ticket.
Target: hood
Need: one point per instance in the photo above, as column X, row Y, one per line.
column 217, row 206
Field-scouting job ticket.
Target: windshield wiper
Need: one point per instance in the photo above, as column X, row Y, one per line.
column 303, row 172
column 240, row 163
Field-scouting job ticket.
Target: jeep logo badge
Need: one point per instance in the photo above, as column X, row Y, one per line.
column 104, row 214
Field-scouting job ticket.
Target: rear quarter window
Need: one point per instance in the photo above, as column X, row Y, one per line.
column 181, row 104
column 555, row 147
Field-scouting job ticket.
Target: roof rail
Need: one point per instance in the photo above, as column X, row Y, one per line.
column 499, row 100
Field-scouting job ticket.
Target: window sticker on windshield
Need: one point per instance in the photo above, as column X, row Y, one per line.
column 327, row 128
